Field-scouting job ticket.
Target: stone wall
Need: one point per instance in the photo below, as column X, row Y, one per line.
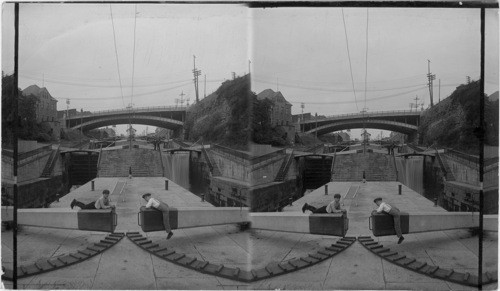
column 38, row 194
column 224, row 192
column 274, row 196
column 463, row 171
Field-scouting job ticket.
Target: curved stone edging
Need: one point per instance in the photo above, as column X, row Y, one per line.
column 271, row 270
column 422, row 267
column 64, row 261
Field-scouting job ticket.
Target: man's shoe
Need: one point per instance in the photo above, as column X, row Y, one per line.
column 170, row 234
column 304, row 208
column 400, row 240
column 73, row 203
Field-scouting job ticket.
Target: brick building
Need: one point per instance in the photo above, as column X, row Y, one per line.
column 46, row 108
column 281, row 112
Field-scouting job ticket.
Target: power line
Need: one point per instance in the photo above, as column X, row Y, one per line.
column 116, row 53
column 118, row 97
column 366, row 57
column 257, row 80
column 133, row 57
column 368, row 100
column 93, row 85
column 263, row 76
column 349, row 56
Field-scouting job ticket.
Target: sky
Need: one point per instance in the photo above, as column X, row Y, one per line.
column 303, row 53
column 88, row 53
column 100, row 55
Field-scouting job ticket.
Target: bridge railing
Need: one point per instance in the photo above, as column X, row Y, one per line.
column 367, row 114
column 125, row 110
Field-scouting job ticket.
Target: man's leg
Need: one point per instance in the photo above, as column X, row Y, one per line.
column 322, row 209
column 77, row 203
column 397, row 221
column 166, row 218
column 90, row 205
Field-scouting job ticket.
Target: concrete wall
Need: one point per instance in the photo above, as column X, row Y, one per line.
column 274, row 196
column 38, row 193
column 265, row 171
column 29, row 169
column 464, row 173
column 243, row 170
column 224, row 192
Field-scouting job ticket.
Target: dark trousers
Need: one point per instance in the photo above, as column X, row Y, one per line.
column 90, row 205
column 322, row 209
column 166, row 219
column 397, row 220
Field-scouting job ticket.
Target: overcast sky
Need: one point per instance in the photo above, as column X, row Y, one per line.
column 303, row 52
column 70, row 49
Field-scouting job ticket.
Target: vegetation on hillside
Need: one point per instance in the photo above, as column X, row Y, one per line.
column 28, row 128
column 454, row 122
column 233, row 116
column 222, row 117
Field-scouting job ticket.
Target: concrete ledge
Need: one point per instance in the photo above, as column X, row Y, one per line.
column 383, row 224
column 334, row 224
column 271, row 270
column 188, row 217
column 93, row 220
column 422, row 267
column 52, row 264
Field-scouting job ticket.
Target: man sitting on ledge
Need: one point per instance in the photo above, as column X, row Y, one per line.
column 101, row 203
column 332, row 207
column 161, row 206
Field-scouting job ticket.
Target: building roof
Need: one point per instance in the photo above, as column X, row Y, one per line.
column 38, row 92
column 273, row 96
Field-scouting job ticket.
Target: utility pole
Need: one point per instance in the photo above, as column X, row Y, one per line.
column 430, row 78
column 316, row 131
column 249, row 62
column 81, row 122
column 302, row 106
column 205, row 88
column 182, row 97
column 67, row 111
column 196, row 73
column 439, row 90
column 416, row 103
column 364, row 130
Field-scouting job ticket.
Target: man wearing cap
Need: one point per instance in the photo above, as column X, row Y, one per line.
column 161, row 206
column 101, row 203
column 394, row 212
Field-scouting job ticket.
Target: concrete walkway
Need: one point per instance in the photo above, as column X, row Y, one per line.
column 125, row 266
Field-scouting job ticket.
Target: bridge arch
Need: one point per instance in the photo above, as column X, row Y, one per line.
column 396, row 126
column 162, row 122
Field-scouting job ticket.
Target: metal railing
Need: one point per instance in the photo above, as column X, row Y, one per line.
column 26, row 155
column 368, row 114
column 461, row 155
column 132, row 110
column 245, row 156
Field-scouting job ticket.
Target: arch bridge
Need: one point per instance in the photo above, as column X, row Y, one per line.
column 402, row 121
column 170, row 117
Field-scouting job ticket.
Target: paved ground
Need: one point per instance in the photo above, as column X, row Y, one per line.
column 125, row 266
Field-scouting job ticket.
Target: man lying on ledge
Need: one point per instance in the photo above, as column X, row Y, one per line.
column 332, row 207
column 101, row 203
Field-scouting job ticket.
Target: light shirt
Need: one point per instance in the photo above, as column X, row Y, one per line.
column 153, row 202
column 384, row 207
column 102, row 203
column 332, row 206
